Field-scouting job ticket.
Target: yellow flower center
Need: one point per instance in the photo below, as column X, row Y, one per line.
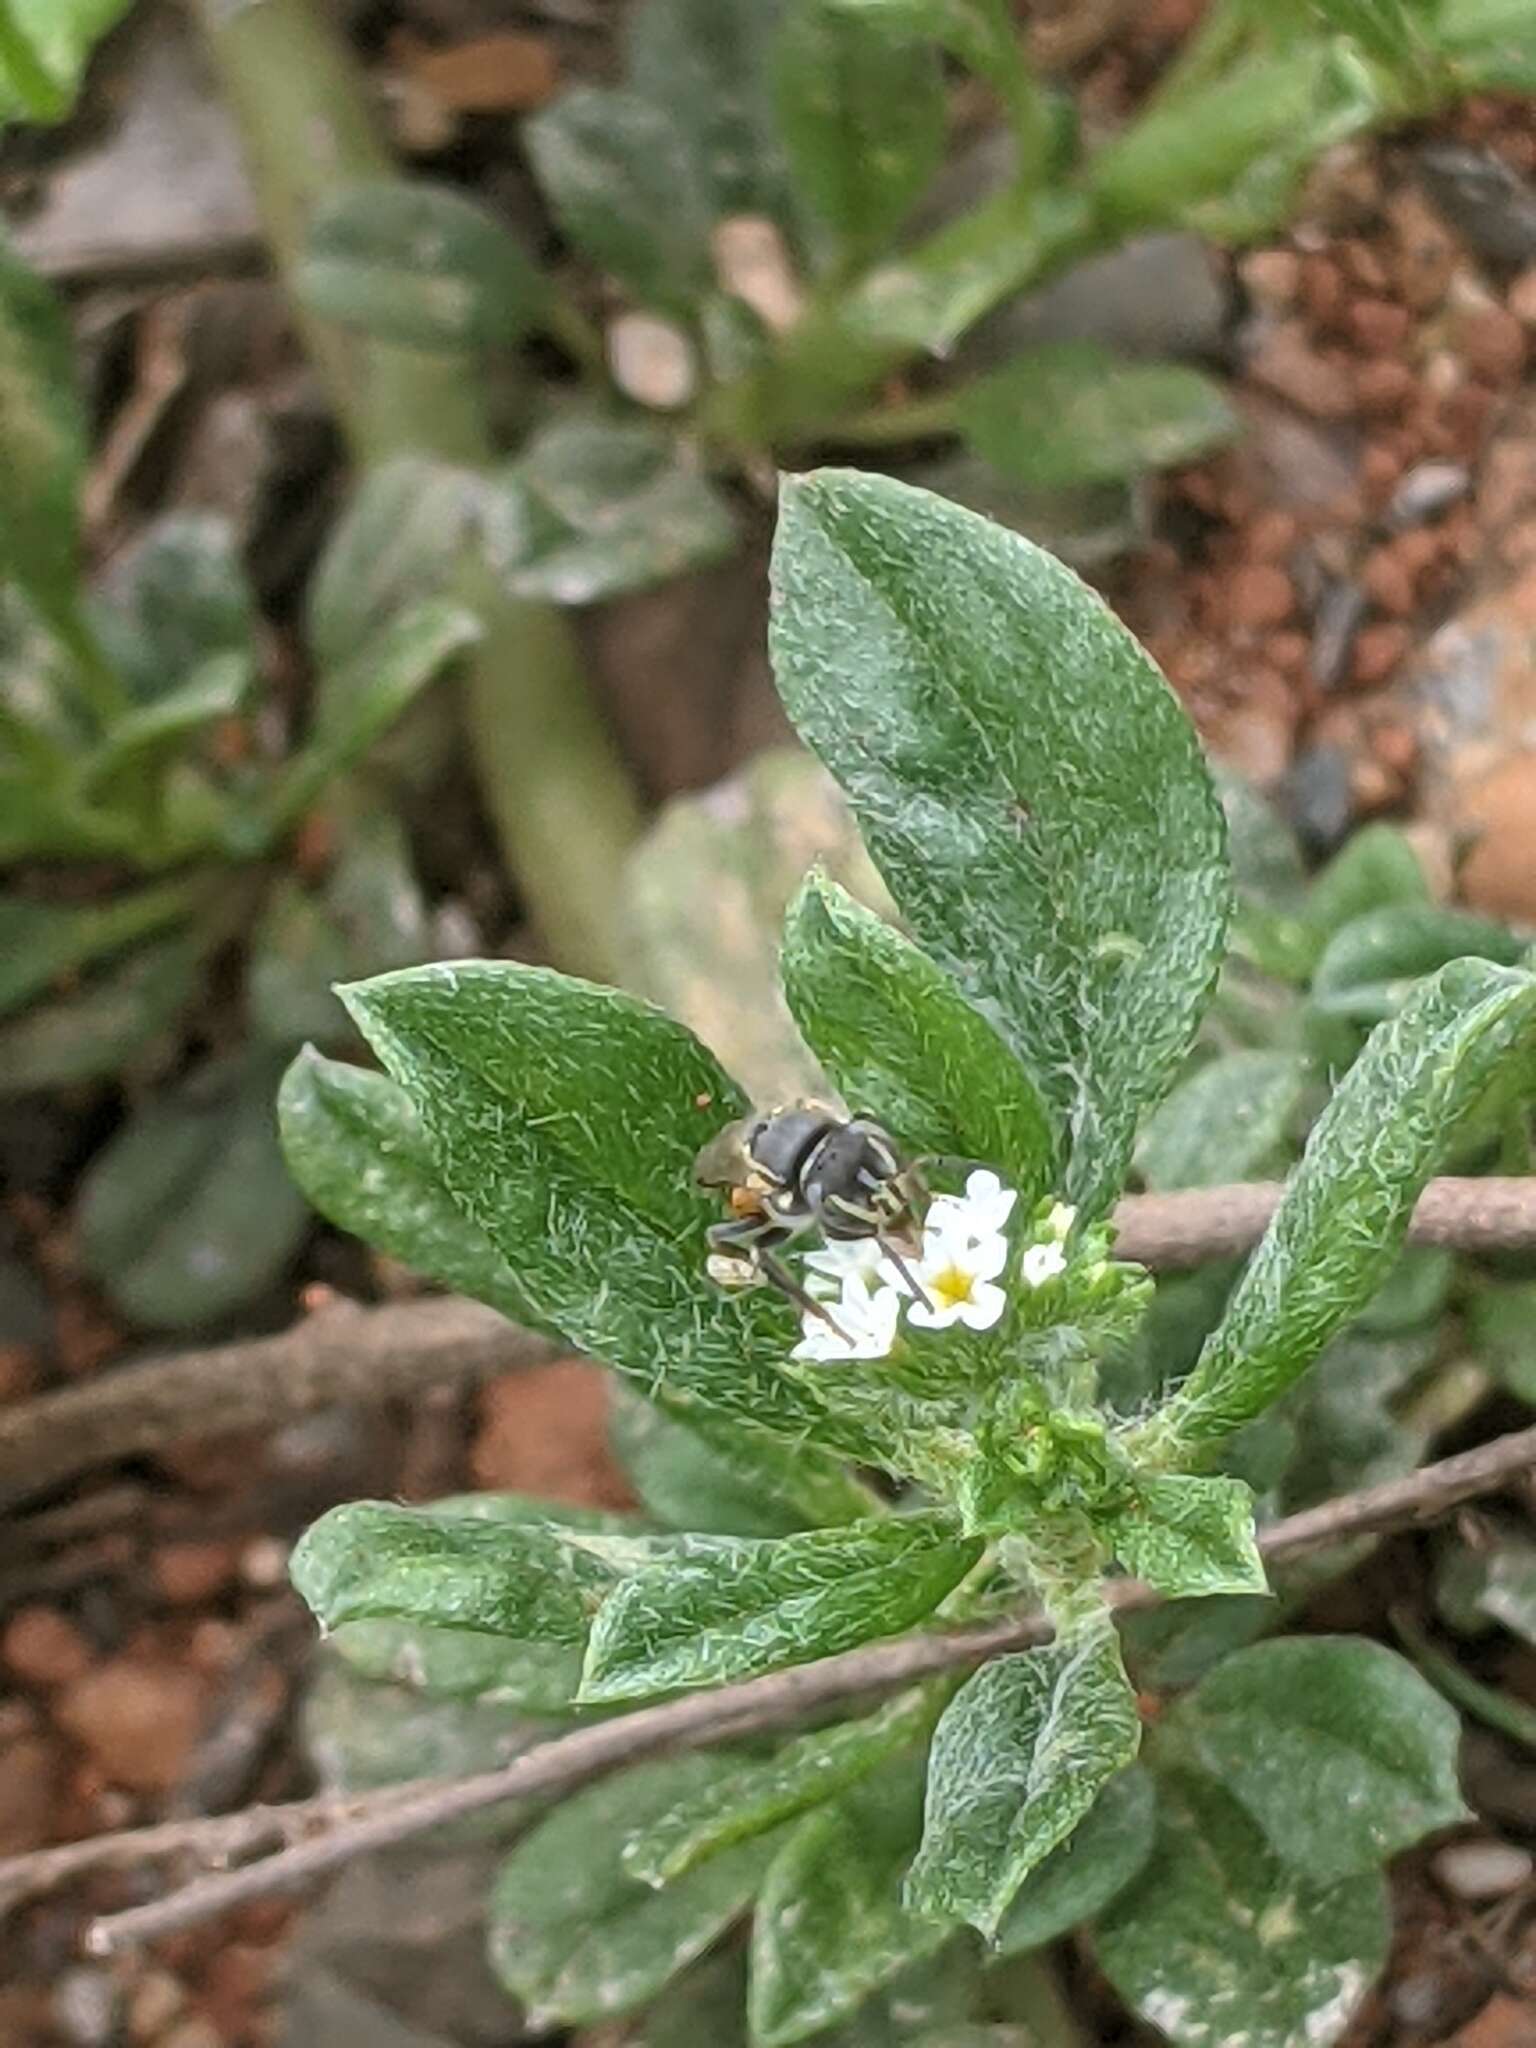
column 951, row 1287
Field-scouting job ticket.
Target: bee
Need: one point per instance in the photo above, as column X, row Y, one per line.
column 800, row 1168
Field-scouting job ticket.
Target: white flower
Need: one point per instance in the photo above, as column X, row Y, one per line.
column 956, row 1275
column 977, row 1215
column 840, row 1260
column 1060, row 1221
column 1042, row 1262
column 862, row 1324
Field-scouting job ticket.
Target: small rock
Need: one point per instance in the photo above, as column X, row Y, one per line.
column 1157, row 296
column 1521, row 297
column 1256, row 736
column 1427, row 490
column 1386, row 579
column 1377, row 325
column 753, row 264
column 1424, row 250
column 652, row 361
column 153, row 2003
column 1319, row 795
column 192, row 2033
column 1376, row 653
column 136, row 1719
column 1493, row 342
column 1504, row 2022
column 1288, row 460
column 29, row 1785
column 1258, row 594
column 1271, row 536
column 545, row 1431
column 1498, row 876
column 87, row 2004
column 187, row 1574
column 1483, row 1870
column 505, row 72
column 1286, row 363
column 1334, row 623
column 1271, row 277
column 1488, row 204
column 1383, row 386
column 41, row 1646
column 168, row 186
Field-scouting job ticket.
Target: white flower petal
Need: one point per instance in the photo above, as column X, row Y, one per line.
column 861, row 1325
column 987, row 1259
column 934, row 1315
column 985, row 1306
column 1061, row 1219
column 842, row 1256
column 1042, row 1262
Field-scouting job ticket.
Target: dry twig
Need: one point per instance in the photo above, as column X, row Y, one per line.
column 342, row 1353
column 775, row 1700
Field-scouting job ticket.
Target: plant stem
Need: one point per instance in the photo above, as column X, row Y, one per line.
column 554, row 782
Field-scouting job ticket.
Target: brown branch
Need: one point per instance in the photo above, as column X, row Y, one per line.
column 775, row 1700
column 342, row 1353
column 1174, row 1231
column 348, row 1353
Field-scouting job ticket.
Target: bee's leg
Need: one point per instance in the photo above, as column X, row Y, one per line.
column 914, row 1286
column 753, row 1240
column 778, row 1275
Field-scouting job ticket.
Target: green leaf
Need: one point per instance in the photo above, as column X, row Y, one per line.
column 464, row 1663
column 82, row 1037
column 576, row 1938
column 43, row 436
column 44, row 45
column 618, row 176
column 863, row 113
column 137, row 747
column 369, row 1561
column 707, row 65
column 711, row 956
column 1025, row 781
column 720, row 1476
column 1071, row 413
column 419, row 265
column 356, row 1148
column 757, row 1796
column 188, row 1211
column 726, row 1607
column 565, row 1119
column 1219, row 1941
column 830, row 1925
column 1502, row 1323
column 1189, row 1537
column 983, row 34
column 1375, row 869
column 1493, row 1584
column 1225, row 1123
column 902, row 1044
column 41, row 941
column 1334, row 1746
column 1372, row 963
column 397, row 540
column 595, row 507
column 358, row 702
column 369, row 915
column 1346, row 1207
column 1093, row 1866
column 1018, row 1759
column 176, row 600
